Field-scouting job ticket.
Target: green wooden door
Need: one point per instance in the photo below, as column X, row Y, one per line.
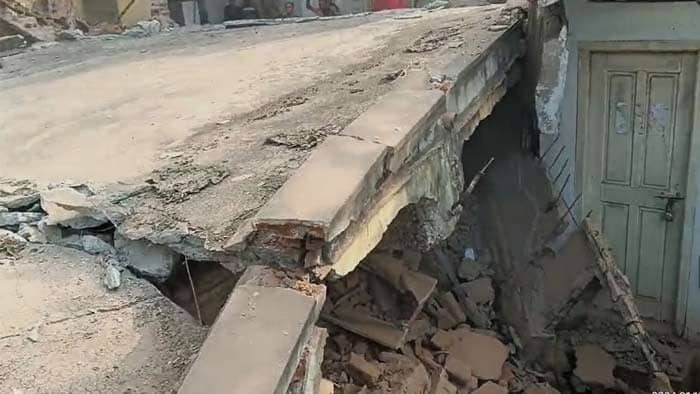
column 636, row 161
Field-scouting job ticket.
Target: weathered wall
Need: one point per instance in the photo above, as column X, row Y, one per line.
column 606, row 22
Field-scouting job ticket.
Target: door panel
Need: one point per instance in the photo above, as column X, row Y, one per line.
column 615, row 219
column 652, row 245
column 619, row 141
column 636, row 149
column 660, row 131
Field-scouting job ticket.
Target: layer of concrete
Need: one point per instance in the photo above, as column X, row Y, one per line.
column 62, row 331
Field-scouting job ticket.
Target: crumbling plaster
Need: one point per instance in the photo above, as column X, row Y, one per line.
column 589, row 23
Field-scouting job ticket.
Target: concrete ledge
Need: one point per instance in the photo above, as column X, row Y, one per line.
column 256, row 343
column 398, row 120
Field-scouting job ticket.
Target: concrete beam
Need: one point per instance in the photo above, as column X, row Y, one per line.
column 257, row 341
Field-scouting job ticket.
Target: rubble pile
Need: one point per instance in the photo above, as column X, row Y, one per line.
column 393, row 329
column 429, row 322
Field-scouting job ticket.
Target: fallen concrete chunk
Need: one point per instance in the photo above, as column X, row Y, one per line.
column 17, row 201
column 8, row 219
column 399, row 274
column 369, row 327
column 402, row 278
column 68, row 207
column 95, row 245
column 152, row 261
column 484, row 354
column 113, row 277
column 364, row 371
column 460, row 371
column 255, row 344
column 491, row 388
column 594, row 366
column 480, row 291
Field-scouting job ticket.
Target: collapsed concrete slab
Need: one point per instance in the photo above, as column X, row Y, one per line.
column 408, row 159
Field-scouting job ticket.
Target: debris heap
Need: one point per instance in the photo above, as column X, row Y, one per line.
column 395, row 328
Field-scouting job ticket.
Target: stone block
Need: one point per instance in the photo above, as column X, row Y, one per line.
column 155, row 262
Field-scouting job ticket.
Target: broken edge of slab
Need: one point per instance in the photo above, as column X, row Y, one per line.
column 336, row 208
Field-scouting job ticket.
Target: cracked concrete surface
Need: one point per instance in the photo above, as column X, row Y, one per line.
column 215, row 129
column 69, row 334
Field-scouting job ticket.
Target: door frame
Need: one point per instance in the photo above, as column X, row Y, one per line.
column 585, row 49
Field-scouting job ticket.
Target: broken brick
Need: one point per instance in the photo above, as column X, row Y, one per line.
column 460, row 371
column 364, row 371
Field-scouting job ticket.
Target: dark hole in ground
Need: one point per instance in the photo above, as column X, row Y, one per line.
column 212, row 285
